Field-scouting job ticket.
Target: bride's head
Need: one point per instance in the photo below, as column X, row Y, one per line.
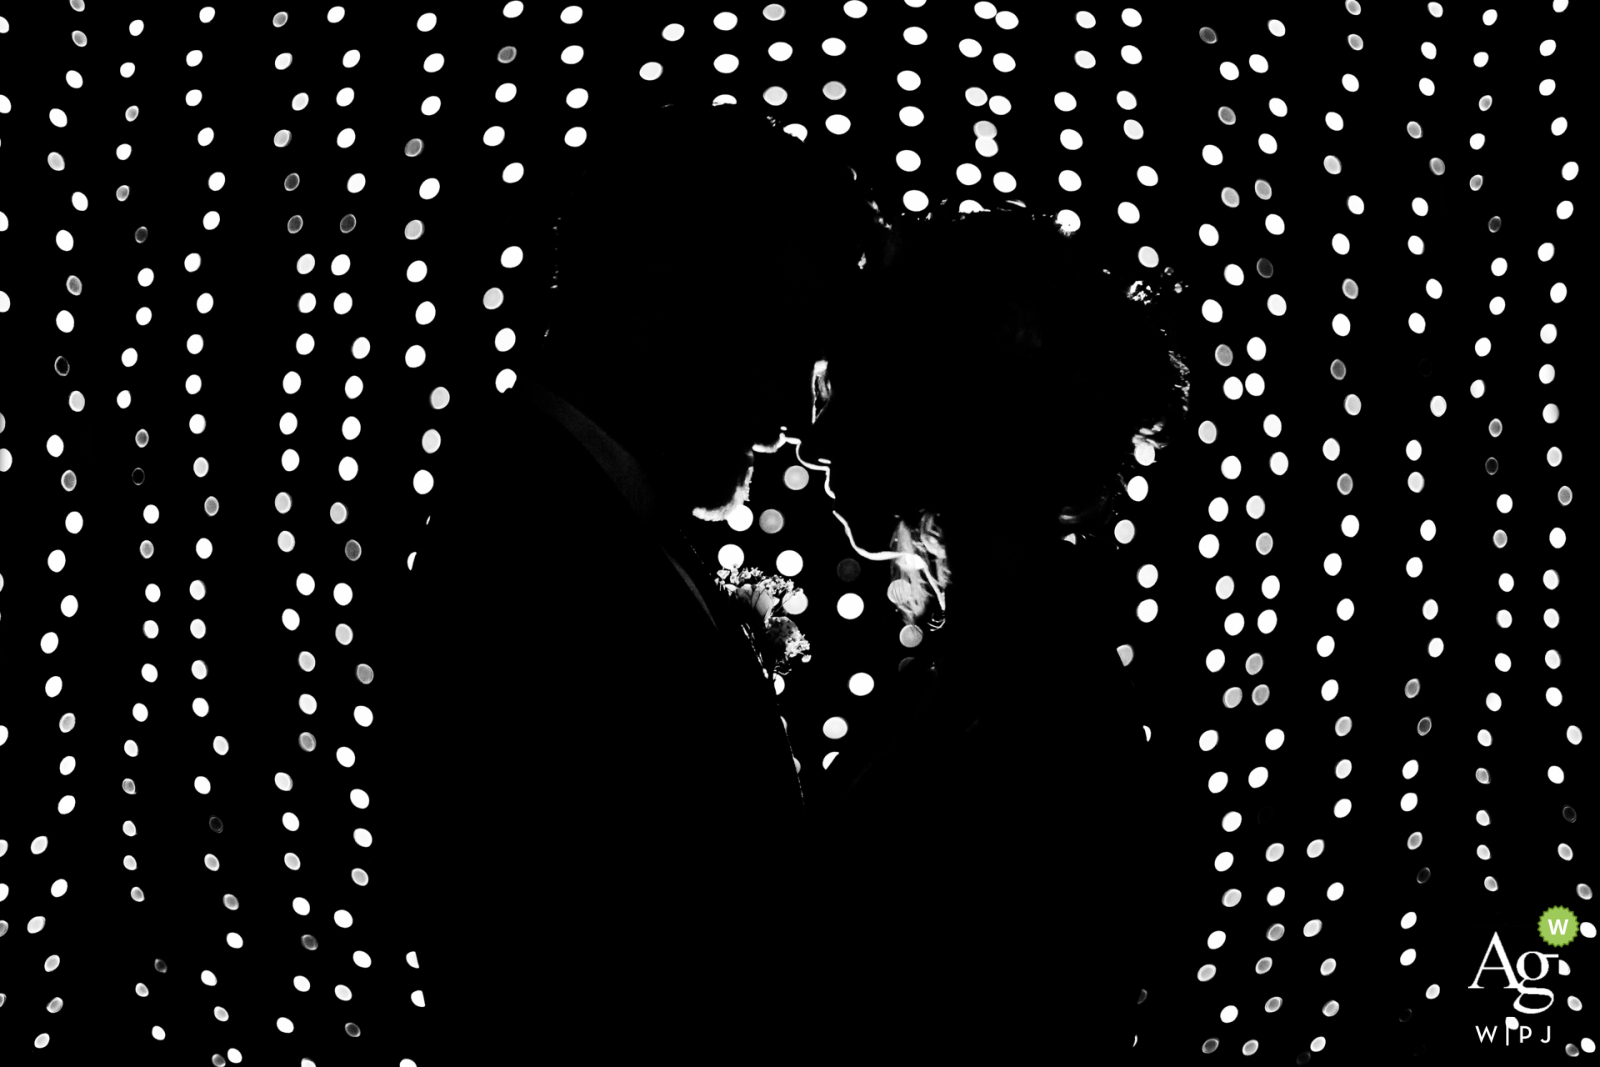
column 1007, row 374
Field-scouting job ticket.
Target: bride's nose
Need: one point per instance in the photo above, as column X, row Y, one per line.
column 821, row 389
column 815, row 440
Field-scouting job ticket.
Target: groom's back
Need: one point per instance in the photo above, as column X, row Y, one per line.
column 608, row 788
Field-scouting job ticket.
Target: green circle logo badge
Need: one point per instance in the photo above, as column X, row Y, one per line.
column 1558, row 927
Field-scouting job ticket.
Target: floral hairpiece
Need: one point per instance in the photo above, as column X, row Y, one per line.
column 777, row 640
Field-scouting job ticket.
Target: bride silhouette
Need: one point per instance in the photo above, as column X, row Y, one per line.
column 981, row 432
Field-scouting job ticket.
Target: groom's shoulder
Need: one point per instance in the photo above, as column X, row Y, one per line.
column 534, row 540
column 520, row 476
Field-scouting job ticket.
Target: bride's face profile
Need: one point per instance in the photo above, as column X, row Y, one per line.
column 860, row 438
column 1000, row 378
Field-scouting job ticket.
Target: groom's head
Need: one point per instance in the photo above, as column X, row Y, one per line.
column 703, row 260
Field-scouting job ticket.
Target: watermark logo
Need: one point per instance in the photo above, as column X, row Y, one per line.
column 1558, row 927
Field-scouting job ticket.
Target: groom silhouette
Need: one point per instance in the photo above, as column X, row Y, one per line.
column 630, row 810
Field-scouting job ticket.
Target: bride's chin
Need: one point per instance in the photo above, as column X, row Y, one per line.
column 741, row 494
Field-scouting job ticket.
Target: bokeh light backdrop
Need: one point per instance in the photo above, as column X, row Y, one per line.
column 256, row 264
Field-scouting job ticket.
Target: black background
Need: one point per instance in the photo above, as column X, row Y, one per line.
column 108, row 943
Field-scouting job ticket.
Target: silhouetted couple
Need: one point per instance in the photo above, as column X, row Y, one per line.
column 621, row 836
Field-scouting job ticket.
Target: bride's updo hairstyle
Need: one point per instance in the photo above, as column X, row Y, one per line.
column 1028, row 370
